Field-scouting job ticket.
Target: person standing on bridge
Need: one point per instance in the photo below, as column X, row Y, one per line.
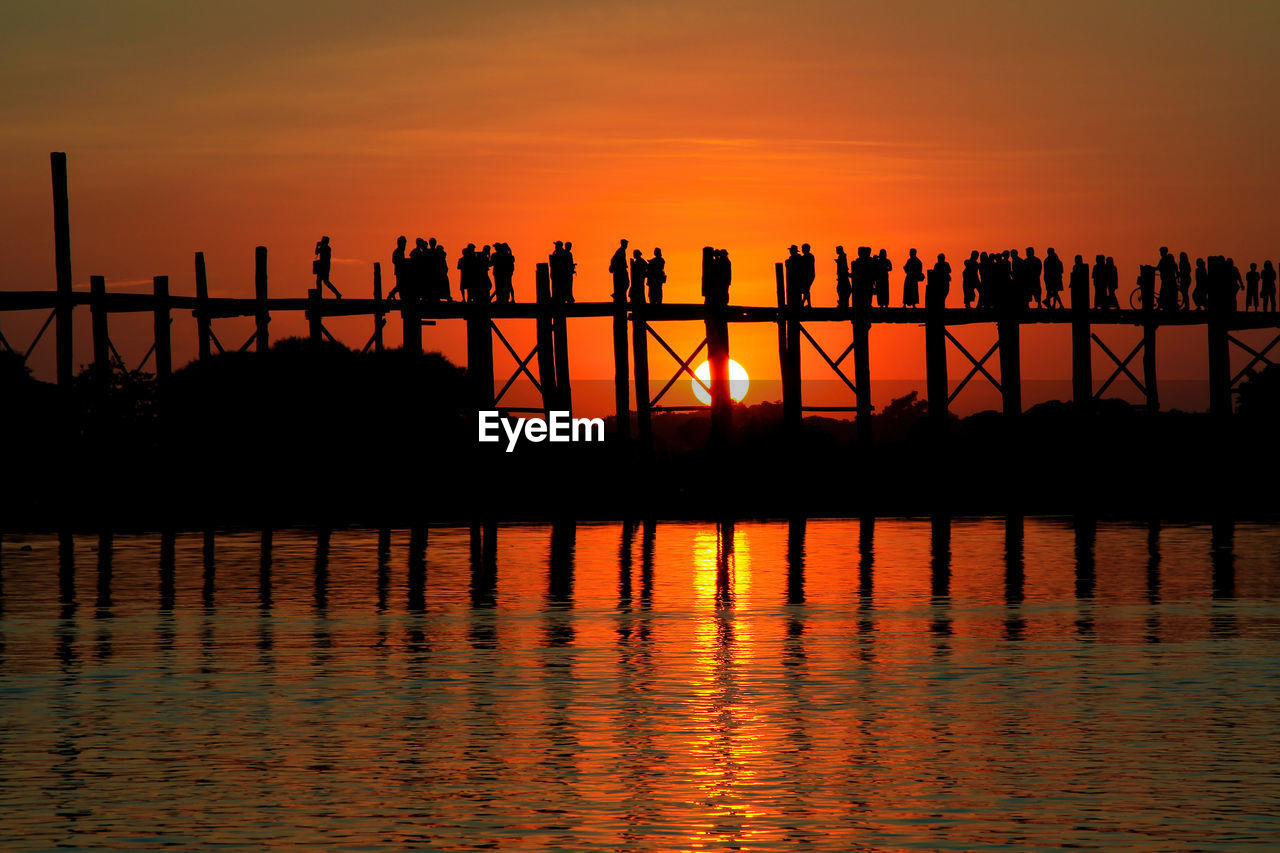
column 844, row 288
column 320, row 266
column 657, row 276
column 1200, row 295
column 1251, row 287
column 1167, row 268
column 618, row 269
column 810, row 273
column 504, row 270
column 1100, row 299
column 1268, row 286
column 639, row 274
column 1184, row 280
column 400, row 268
column 1113, row 282
column 1052, row 279
column 941, row 282
column 1079, row 283
column 557, row 266
column 882, row 279
column 912, row 276
column 572, row 270
column 1031, row 268
column 969, row 279
column 793, row 269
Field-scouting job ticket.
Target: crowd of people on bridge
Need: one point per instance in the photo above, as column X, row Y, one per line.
column 993, row 279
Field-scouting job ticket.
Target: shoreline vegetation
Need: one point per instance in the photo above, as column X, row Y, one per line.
column 309, row 433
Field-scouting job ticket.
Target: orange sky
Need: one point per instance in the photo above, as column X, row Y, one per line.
column 1107, row 127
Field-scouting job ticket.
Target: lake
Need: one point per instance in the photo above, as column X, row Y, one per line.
column 835, row 684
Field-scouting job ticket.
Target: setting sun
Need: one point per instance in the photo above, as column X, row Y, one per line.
column 738, row 382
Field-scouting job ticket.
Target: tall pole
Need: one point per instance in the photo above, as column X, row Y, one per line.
column 163, row 338
column 261, row 338
column 202, row 307
column 62, row 266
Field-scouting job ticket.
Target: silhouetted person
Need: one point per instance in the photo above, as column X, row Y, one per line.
column 1268, row 286
column 1018, row 277
column 639, row 274
column 793, row 273
column 1031, row 268
column 1079, row 282
column 657, row 276
column 866, row 272
column 941, row 280
column 724, row 276
column 504, row 269
column 986, row 279
column 557, row 267
column 1200, row 295
column 1052, row 279
column 912, row 276
column 1113, row 282
column 400, row 267
column 1235, row 280
column 882, row 280
column 1251, row 279
column 419, row 275
column 572, row 271
column 483, row 264
column 1002, row 281
column 709, row 275
column 320, row 266
column 1184, row 280
column 810, row 273
column 969, row 279
column 467, row 274
column 844, row 286
column 438, row 272
column 1167, row 268
column 618, row 269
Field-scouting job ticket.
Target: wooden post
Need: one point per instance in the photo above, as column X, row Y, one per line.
column 718, row 355
column 62, row 266
column 411, row 319
column 640, row 350
column 1008, row 329
column 861, row 347
column 1149, row 360
column 480, row 354
column 546, row 347
column 560, row 335
column 262, row 340
column 315, row 314
column 1081, row 348
column 621, row 379
column 202, row 307
column 1219, row 355
column 163, row 337
column 788, row 357
column 379, row 316
column 101, row 338
column 935, row 350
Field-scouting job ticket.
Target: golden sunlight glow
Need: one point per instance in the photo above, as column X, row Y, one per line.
column 738, row 382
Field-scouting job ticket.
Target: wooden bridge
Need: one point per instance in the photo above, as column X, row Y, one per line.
column 547, row 364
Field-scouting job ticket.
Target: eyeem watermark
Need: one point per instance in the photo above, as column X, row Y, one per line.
column 557, row 427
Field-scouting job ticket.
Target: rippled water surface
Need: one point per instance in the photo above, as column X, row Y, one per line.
column 835, row 685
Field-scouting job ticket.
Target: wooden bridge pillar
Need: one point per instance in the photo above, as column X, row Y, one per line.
column 621, row 372
column 315, row 314
column 1219, row 359
column 863, row 274
column 262, row 341
column 1008, row 329
column 640, row 351
column 379, row 316
column 480, row 354
column 1149, row 360
column 546, row 345
column 411, row 319
column 1081, row 348
column 202, row 308
column 935, row 350
column 560, row 337
column 101, row 337
column 788, row 358
column 163, row 336
column 62, row 267
column 718, row 356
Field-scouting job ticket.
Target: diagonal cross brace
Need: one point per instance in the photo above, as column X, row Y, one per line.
column 683, row 368
column 1121, row 366
column 521, row 363
column 835, row 365
column 1257, row 356
column 978, row 366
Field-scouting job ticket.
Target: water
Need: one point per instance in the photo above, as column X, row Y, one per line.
column 833, row 686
